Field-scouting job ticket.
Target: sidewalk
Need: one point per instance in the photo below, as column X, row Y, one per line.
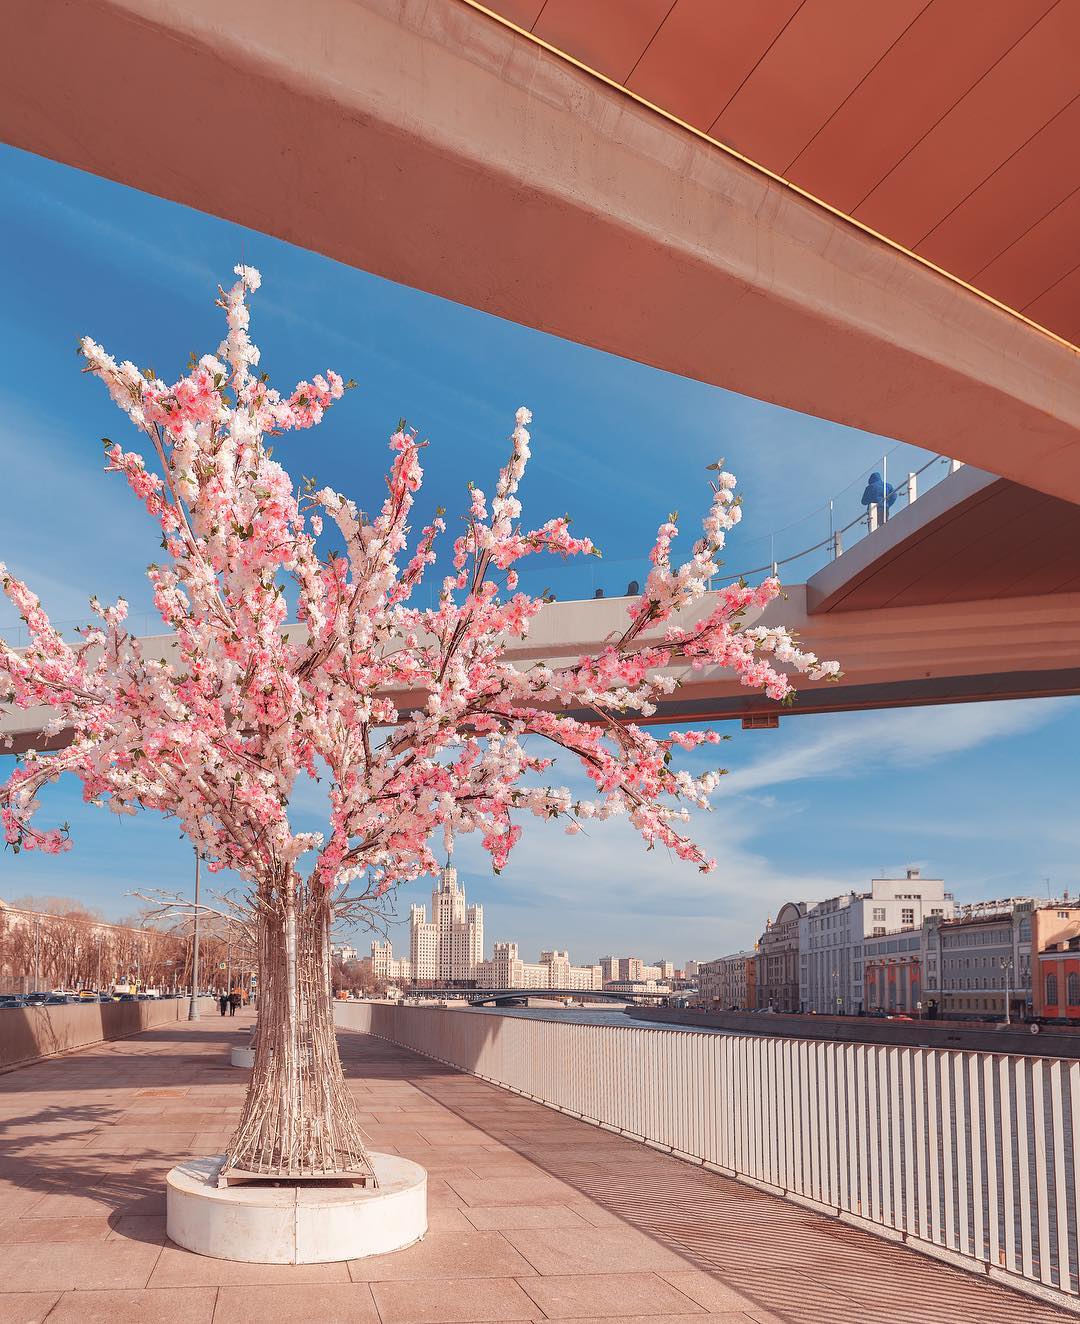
column 533, row 1215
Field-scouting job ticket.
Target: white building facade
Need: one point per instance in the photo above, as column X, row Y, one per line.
column 386, row 967
column 506, row 969
column 728, row 981
column 982, row 955
column 832, row 935
column 448, row 948
column 632, row 969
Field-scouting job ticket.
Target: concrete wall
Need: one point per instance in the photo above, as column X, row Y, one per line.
column 966, row 1156
column 39, row 1032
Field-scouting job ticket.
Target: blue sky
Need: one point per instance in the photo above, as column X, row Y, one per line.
column 981, row 795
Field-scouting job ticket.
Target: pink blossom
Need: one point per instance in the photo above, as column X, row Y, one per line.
column 414, row 716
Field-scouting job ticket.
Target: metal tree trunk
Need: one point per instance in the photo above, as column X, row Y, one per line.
column 298, row 1119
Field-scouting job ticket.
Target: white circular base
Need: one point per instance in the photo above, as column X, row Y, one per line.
column 242, row 1057
column 263, row 1223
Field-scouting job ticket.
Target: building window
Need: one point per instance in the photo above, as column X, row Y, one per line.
column 907, row 917
column 879, row 912
column 879, row 931
column 936, row 910
column 1051, row 990
column 1072, row 990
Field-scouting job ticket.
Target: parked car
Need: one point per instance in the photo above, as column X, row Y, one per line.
column 126, row 997
column 11, row 1000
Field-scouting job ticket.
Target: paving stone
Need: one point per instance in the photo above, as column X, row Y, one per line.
column 42, row 1266
column 329, row 1303
column 138, row 1227
column 170, row 1305
column 65, row 1205
column 26, row 1307
column 26, row 1230
column 446, row 1255
column 602, row 1296
column 725, row 1318
column 462, row 1301
column 539, row 1189
column 449, row 1220
column 592, row 1250
column 709, row 1291
column 180, row 1268
column 505, row 1219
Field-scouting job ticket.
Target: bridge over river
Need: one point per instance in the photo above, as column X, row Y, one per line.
column 517, row 996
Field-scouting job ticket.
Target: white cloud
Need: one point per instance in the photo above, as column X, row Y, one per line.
column 903, row 738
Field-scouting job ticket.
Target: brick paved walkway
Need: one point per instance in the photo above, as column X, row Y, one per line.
column 534, row 1216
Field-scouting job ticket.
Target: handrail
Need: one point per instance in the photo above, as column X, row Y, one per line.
column 772, row 566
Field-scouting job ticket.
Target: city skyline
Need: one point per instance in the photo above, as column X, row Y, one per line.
column 449, row 947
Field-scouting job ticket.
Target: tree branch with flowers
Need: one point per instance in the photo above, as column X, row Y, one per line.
column 218, row 735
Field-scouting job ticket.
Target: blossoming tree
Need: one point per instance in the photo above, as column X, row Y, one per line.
column 218, row 735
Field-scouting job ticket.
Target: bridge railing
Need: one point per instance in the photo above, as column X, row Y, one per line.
column 972, row 1157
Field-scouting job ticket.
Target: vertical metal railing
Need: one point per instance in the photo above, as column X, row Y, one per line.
column 974, row 1154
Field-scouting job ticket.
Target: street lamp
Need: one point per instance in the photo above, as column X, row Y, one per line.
column 1006, row 966
column 193, row 1005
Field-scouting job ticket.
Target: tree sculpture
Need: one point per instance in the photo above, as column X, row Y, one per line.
column 218, row 735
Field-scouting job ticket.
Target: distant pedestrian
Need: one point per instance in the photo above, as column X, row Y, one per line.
column 234, row 1001
column 223, row 1003
column 879, row 494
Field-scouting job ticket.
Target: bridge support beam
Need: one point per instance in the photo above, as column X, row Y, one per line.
column 434, row 145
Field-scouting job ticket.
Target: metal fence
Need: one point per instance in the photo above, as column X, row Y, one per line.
column 971, row 1156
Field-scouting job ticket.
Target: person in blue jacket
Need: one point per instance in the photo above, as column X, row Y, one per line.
column 880, row 494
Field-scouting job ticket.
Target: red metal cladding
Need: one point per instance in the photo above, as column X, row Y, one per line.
column 949, row 127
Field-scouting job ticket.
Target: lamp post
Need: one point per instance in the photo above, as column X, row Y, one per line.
column 193, row 1005
column 1006, row 966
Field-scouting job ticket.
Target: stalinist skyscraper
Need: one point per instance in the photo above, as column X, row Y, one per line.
column 451, row 946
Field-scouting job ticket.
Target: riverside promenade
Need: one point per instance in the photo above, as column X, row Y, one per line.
column 534, row 1215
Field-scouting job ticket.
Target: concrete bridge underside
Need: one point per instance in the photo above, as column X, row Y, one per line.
column 439, row 147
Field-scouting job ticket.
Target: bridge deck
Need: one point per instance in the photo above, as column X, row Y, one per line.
column 534, row 1216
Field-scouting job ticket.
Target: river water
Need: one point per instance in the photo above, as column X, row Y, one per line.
column 587, row 1016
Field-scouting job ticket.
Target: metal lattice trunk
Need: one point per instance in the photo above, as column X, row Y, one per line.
column 298, row 1121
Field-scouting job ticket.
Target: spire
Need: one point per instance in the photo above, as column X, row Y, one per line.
column 448, row 876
